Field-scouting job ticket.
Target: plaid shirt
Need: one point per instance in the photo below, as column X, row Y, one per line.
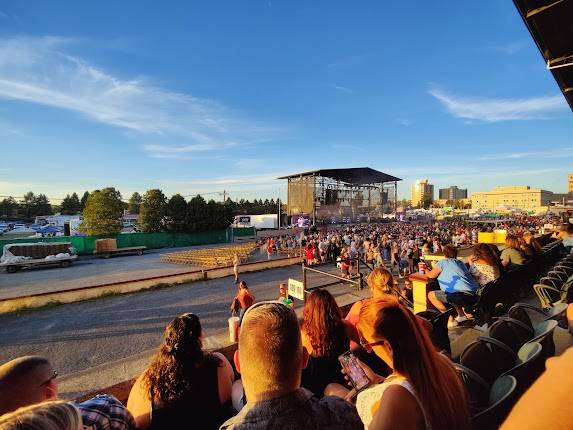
column 105, row 412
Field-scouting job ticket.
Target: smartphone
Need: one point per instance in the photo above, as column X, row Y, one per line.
column 353, row 370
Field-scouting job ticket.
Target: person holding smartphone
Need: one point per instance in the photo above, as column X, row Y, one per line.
column 422, row 392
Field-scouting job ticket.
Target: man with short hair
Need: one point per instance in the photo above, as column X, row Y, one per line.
column 25, row 381
column 270, row 359
column 31, row 379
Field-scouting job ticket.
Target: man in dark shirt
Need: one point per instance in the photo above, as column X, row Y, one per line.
column 270, row 359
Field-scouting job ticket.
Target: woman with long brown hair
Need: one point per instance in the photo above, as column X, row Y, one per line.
column 325, row 335
column 424, row 390
column 484, row 266
column 183, row 383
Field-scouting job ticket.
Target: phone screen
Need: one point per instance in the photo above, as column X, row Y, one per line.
column 353, row 370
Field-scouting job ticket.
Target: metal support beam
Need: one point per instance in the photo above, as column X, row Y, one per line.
column 556, row 63
column 535, row 11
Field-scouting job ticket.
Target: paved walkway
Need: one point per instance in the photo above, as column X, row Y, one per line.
column 90, row 271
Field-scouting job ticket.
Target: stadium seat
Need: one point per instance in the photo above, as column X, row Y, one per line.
column 477, row 389
column 501, row 399
column 513, row 333
column 529, row 365
column 488, row 357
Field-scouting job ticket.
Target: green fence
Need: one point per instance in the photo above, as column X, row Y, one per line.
column 85, row 245
column 244, row 231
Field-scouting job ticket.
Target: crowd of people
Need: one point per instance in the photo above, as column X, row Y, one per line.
column 286, row 372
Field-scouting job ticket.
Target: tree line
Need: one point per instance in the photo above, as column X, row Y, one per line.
column 104, row 209
column 32, row 205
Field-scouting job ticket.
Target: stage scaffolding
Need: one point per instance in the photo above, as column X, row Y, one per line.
column 342, row 195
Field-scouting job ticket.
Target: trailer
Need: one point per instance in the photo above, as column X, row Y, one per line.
column 38, row 262
column 107, row 248
column 17, row 256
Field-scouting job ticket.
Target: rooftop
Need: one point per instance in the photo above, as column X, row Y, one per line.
column 354, row 175
column 549, row 23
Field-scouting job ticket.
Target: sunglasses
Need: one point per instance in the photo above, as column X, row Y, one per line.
column 264, row 303
column 368, row 346
column 50, row 379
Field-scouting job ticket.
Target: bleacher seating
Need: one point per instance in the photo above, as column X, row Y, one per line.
column 210, row 257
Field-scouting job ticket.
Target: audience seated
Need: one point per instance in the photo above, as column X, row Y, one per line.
column 484, row 265
column 423, row 391
column 545, row 405
column 457, row 285
column 270, row 359
column 26, row 381
column 31, row 380
column 183, row 383
column 325, row 335
column 50, row 415
column 512, row 256
column 381, row 282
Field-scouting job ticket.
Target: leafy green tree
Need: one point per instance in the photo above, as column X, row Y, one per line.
column 84, row 200
column 152, row 211
column 70, row 205
column 197, row 214
column 103, row 213
column 176, row 214
column 220, row 215
column 134, row 203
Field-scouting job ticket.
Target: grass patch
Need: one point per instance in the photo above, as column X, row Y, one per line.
column 28, row 308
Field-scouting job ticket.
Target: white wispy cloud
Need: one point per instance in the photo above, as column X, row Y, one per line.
column 404, row 121
column 549, row 153
column 251, row 163
column 341, row 89
column 345, row 146
column 39, row 70
column 499, row 109
column 512, row 48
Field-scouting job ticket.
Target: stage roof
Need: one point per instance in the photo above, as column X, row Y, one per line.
column 550, row 23
column 355, row 175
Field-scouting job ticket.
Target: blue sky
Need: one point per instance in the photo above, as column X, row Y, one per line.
column 200, row 97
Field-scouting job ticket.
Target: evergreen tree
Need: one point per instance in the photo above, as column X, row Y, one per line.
column 70, row 205
column 176, row 219
column 84, row 200
column 197, row 214
column 8, row 208
column 134, row 203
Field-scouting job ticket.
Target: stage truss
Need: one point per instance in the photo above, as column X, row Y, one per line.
column 328, row 200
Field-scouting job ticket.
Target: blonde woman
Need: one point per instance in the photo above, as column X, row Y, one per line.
column 380, row 282
column 54, row 415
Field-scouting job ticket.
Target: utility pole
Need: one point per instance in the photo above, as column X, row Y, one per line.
column 279, row 209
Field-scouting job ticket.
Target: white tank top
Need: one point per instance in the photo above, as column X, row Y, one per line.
column 367, row 398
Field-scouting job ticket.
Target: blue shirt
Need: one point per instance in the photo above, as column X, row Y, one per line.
column 455, row 277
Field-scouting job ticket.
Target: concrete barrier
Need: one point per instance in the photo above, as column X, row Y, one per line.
column 124, row 287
